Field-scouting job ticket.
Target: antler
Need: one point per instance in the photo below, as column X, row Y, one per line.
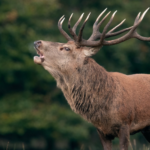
column 101, row 36
column 60, row 22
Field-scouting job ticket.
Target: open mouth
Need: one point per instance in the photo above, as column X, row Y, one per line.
column 38, row 59
column 39, row 53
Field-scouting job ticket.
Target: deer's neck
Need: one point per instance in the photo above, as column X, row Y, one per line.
column 88, row 89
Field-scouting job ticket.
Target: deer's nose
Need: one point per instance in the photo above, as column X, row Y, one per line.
column 38, row 44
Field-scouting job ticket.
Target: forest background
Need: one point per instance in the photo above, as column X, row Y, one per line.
column 33, row 111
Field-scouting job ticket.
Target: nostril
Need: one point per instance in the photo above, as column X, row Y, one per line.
column 37, row 44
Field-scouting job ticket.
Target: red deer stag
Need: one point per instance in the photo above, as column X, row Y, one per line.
column 116, row 104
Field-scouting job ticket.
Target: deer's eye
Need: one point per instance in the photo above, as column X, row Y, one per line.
column 67, row 48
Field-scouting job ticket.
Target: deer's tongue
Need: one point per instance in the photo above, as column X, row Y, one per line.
column 37, row 60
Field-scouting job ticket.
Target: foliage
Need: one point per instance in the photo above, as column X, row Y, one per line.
column 31, row 106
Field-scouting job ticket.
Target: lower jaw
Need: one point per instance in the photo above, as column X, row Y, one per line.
column 37, row 60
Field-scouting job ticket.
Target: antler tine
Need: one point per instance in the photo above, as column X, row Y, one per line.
column 77, row 23
column 132, row 33
column 61, row 18
column 143, row 14
column 106, row 27
column 81, row 29
column 116, row 26
column 96, row 34
column 60, row 22
column 118, row 32
column 142, row 38
column 70, row 29
column 137, row 18
column 103, row 19
column 99, row 17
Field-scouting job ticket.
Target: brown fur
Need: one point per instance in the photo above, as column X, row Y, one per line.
column 116, row 104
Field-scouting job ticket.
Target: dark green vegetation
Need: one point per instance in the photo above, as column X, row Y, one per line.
column 32, row 110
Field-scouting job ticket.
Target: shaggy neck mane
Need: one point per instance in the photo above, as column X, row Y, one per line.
column 88, row 90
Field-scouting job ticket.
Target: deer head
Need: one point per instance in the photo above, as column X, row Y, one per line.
column 65, row 57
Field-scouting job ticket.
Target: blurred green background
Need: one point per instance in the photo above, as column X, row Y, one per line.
column 33, row 111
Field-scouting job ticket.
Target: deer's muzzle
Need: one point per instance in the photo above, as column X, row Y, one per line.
column 38, row 59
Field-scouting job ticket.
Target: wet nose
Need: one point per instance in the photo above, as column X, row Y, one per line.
column 37, row 44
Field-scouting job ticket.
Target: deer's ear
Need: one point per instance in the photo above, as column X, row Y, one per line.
column 90, row 51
